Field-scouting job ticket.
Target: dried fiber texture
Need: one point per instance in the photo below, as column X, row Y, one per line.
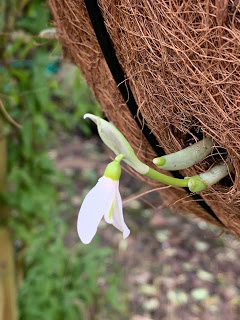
column 182, row 60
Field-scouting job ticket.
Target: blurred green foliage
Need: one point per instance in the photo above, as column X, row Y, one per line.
column 48, row 99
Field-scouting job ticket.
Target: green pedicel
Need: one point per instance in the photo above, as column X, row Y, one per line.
column 166, row 179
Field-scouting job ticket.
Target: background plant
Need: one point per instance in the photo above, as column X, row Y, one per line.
column 48, row 99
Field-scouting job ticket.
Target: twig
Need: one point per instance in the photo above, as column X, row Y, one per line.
column 10, row 119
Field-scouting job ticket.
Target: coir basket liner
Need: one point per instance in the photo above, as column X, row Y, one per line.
column 181, row 67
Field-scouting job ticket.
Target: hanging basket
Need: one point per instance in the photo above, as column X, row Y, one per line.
column 166, row 73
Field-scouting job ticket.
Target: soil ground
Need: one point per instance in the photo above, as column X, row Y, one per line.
column 173, row 267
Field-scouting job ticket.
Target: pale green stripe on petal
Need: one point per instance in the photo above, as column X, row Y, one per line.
column 111, row 211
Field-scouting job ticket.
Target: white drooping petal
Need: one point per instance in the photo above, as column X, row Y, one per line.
column 109, row 214
column 96, row 203
column 117, row 216
column 114, row 215
column 116, row 141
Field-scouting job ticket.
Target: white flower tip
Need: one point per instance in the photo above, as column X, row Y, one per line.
column 91, row 116
column 85, row 237
column 126, row 233
column 85, row 241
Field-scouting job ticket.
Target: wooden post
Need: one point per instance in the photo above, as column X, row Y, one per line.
column 8, row 301
column 8, row 309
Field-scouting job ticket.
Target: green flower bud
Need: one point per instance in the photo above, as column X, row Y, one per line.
column 116, row 141
column 206, row 179
column 196, row 184
column 187, row 157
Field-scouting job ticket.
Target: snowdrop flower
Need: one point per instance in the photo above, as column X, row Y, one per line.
column 185, row 158
column 103, row 200
column 116, row 141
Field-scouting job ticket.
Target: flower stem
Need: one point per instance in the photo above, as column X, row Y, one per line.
column 153, row 174
column 119, row 158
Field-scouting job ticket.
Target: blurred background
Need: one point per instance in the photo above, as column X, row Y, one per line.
column 169, row 268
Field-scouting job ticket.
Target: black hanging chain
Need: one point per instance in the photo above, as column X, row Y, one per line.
column 116, row 70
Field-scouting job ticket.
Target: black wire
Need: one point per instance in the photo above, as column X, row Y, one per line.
column 126, row 92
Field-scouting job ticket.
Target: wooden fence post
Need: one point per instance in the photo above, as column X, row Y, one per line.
column 8, row 301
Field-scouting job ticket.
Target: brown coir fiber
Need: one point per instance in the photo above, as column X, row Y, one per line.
column 182, row 60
